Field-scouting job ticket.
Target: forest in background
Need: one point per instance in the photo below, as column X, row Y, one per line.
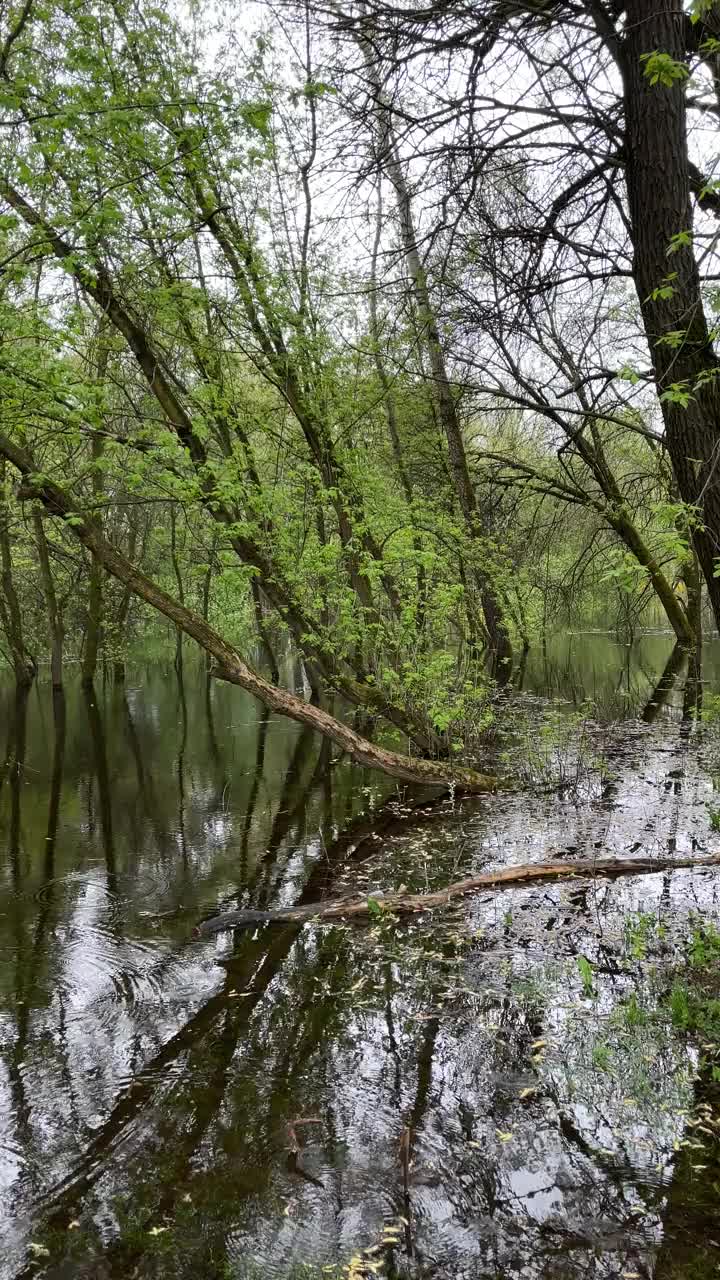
column 384, row 332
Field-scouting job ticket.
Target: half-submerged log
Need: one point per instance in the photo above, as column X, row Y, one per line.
column 411, row 903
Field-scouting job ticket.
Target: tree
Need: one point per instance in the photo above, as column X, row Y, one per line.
column 137, row 203
column 585, row 177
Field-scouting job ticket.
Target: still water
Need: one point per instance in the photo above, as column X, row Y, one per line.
column 453, row 1098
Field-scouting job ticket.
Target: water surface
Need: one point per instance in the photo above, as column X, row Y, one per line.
column 443, row 1099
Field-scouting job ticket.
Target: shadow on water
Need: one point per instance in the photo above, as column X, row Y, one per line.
column 456, row 1097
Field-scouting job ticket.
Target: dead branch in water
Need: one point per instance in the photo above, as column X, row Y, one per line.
column 410, row 903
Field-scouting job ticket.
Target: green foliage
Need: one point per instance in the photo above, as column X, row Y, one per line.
column 257, row 115
column 699, row 9
column 661, row 68
column 585, row 970
column 694, row 999
column 665, row 290
column 710, row 714
column 601, row 1055
column 677, row 393
column 704, row 946
column 714, row 817
column 634, row 1015
column 641, row 931
column 681, row 240
column 176, row 181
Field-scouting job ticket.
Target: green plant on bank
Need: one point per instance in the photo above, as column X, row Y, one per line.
column 713, row 817
column 694, row 999
column 704, row 946
column 633, row 1013
column 585, row 970
column 601, row 1056
column 640, row 931
column 556, row 748
column 710, row 714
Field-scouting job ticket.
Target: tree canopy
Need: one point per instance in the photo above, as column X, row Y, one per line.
column 383, row 331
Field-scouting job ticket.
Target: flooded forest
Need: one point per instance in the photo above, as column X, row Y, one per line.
column 359, row 652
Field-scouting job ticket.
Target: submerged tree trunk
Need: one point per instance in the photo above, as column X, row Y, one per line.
column 411, row 903
column 678, row 659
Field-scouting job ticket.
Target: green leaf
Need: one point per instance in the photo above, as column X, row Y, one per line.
column 585, row 970
column 681, row 240
column 661, row 68
column 678, row 393
column 256, row 115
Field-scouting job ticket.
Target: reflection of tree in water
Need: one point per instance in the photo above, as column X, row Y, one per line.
column 12, row 774
column 691, row 1221
column 187, row 1108
column 215, row 1132
column 102, row 779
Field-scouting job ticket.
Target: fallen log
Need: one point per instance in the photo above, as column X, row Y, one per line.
column 411, row 903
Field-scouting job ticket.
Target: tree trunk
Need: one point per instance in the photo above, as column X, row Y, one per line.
column 411, row 903
column 391, row 413
column 94, row 623
column 207, row 583
column 54, row 612
column 476, row 521
column 94, row 612
column 24, row 664
column 180, row 588
column 267, row 650
column 658, row 184
column 619, row 520
column 121, row 617
column 692, row 577
column 230, row 665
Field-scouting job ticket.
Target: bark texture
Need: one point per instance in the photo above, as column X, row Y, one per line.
column 658, row 184
column 52, row 604
column 24, row 664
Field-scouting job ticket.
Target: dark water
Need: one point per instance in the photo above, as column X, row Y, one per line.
column 446, row 1099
